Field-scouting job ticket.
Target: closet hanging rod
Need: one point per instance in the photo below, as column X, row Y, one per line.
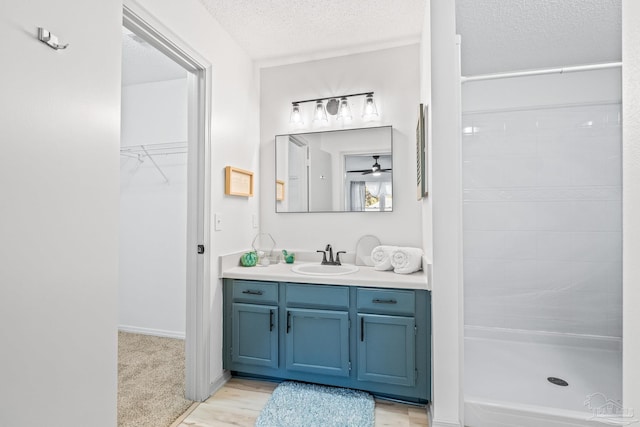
column 154, row 153
column 540, row 72
column 155, row 147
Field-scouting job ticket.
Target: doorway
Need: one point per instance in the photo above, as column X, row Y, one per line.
column 187, row 143
column 153, row 191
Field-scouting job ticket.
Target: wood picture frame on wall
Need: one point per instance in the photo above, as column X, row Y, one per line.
column 279, row 190
column 421, row 152
column 238, row 182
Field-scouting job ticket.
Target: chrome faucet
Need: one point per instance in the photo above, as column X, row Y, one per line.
column 330, row 261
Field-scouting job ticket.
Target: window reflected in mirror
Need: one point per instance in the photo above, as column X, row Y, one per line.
column 368, row 183
column 335, row 171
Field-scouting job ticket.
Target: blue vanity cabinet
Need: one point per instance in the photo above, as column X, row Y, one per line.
column 252, row 325
column 386, row 349
column 366, row 338
column 317, row 341
column 317, row 329
column 386, row 336
column 255, row 335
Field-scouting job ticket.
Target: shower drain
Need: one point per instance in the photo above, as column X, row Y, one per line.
column 557, row 381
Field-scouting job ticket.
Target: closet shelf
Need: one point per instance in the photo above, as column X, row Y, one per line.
column 149, row 150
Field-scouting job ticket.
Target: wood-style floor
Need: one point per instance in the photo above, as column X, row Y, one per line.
column 239, row 402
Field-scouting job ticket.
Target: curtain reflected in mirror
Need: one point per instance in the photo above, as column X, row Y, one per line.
column 371, row 192
column 335, row 171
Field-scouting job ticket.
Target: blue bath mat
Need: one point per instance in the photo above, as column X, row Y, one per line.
column 294, row 404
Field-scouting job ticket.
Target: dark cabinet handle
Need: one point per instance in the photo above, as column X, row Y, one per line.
column 384, row 301
column 270, row 320
column 288, row 321
column 362, row 329
column 252, row 292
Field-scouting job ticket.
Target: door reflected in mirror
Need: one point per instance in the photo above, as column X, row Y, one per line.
column 335, row 171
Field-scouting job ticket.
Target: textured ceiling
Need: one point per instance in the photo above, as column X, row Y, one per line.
column 508, row 35
column 142, row 63
column 497, row 35
column 270, row 29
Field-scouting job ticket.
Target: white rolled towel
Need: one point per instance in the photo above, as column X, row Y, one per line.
column 406, row 260
column 380, row 255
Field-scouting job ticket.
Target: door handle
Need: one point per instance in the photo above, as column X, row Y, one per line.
column 270, row 320
column 252, row 292
column 362, row 329
column 288, row 321
column 384, row 301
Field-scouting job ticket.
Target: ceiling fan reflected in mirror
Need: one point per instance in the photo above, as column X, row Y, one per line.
column 376, row 169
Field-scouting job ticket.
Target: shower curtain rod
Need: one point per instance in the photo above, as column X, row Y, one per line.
column 543, row 71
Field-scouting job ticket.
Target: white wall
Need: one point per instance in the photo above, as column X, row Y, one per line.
column 153, row 223
column 393, row 74
column 154, row 112
column 234, row 138
column 425, row 98
column 446, row 206
column 59, row 127
column 631, row 204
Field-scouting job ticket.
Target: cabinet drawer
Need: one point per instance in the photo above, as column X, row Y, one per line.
column 386, row 301
column 250, row 291
column 317, row 296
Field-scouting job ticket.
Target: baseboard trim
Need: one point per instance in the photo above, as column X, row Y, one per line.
column 443, row 423
column 219, row 382
column 149, row 331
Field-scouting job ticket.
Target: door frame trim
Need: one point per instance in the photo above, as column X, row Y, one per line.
column 199, row 83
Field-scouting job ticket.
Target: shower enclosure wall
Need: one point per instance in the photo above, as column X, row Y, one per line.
column 542, row 249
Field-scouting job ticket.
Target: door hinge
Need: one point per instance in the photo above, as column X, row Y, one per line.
column 415, row 331
column 349, row 323
column 349, row 366
column 416, row 375
column 200, row 249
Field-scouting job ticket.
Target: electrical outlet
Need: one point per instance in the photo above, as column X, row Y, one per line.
column 217, row 221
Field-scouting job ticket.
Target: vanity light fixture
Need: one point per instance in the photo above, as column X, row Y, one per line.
column 369, row 110
column 296, row 115
column 337, row 106
column 320, row 113
column 344, row 111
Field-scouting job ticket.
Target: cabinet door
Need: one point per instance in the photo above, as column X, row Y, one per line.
column 386, row 349
column 318, row 341
column 255, row 335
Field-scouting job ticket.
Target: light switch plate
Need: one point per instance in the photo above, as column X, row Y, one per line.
column 217, row 221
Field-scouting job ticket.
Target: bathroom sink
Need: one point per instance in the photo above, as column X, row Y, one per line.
column 324, row 270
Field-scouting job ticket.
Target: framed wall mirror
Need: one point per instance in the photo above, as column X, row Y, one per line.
column 335, row 171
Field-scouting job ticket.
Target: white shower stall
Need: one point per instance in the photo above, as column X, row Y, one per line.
column 542, row 240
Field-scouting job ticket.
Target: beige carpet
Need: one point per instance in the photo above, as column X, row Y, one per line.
column 150, row 380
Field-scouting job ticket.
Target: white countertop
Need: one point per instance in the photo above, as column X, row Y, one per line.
column 365, row 276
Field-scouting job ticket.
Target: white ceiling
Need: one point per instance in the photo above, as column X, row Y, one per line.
column 508, row 35
column 497, row 35
column 143, row 63
column 270, row 29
